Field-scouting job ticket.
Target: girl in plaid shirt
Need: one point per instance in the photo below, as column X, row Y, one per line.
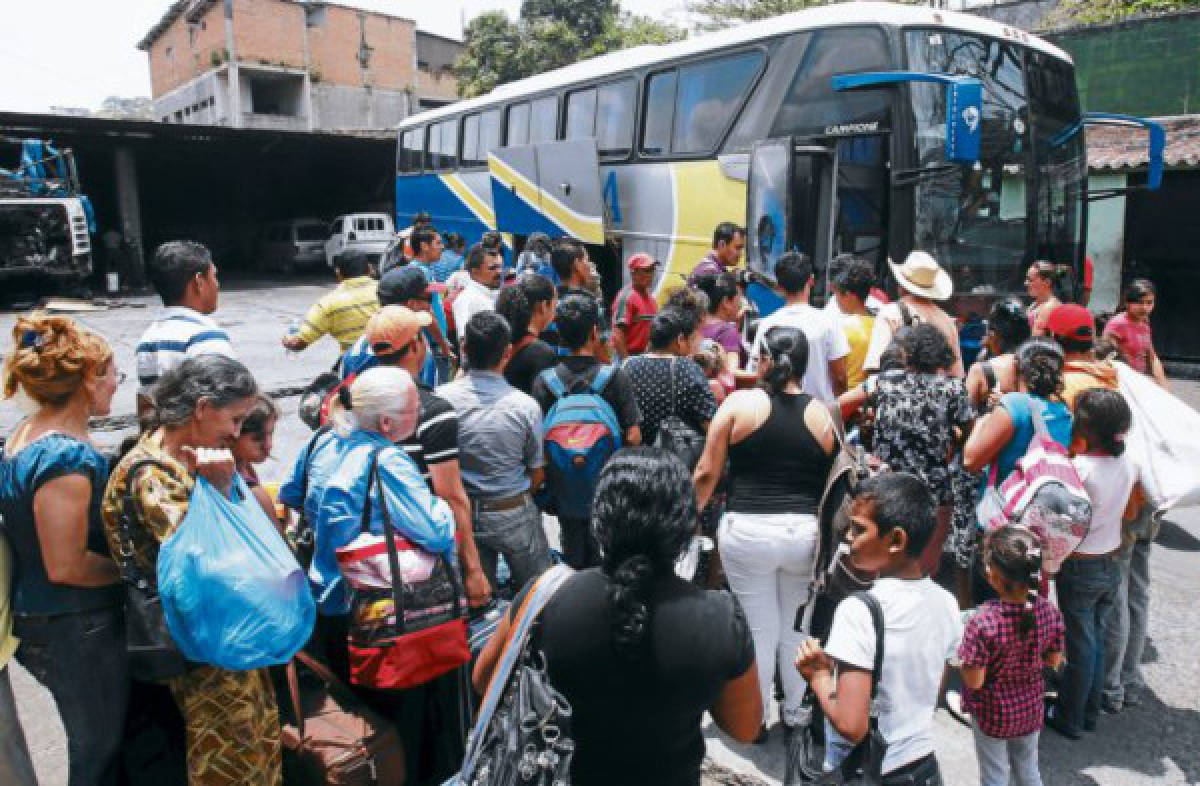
column 1003, row 649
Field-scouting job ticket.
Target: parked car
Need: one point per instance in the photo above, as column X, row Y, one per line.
column 369, row 233
column 296, row 244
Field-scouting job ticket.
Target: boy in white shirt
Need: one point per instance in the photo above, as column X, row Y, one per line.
column 891, row 521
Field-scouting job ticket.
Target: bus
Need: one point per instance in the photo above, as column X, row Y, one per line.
column 865, row 128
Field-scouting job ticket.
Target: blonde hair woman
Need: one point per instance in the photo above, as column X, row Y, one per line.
column 66, row 594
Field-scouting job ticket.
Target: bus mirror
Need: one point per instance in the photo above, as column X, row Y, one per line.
column 1156, row 144
column 964, row 105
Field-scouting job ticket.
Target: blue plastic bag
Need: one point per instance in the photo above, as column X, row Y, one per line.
column 232, row 592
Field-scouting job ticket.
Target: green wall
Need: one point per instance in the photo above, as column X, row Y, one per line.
column 1146, row 68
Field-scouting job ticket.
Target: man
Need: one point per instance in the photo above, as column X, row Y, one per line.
column 395, row 337
column 185, row 277
column 408, row 287
column 427, row 249
column 500, row 452
column 451, row 260
column 578, row 326
column 825, row 378
column 483, row 268
column 729, row 240
column 635, row 308
column 1074, row 328
column 342, row 313
column 922, row 282
column 851, row 303
column 577, row 276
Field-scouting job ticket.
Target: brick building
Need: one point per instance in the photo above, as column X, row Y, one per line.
column 293, row 65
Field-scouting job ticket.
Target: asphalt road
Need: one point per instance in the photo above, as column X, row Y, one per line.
column 1157, row 742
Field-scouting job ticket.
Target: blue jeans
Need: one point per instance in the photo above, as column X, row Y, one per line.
column 1005, row 761
column 1127, row 626
column 518, row 535
column 1087, row 591
column 80, row 658
column 16, row 768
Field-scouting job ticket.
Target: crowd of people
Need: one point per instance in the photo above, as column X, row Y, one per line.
column 715, row 431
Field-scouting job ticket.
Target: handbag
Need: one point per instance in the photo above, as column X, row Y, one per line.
column 864, row 765
column 675, row 435
column 408, row 618
column 332, row 738
column 523, row 731
column 152, row 652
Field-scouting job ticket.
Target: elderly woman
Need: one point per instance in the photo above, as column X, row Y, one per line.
column 382, row 414
column 66, row 594
column 639, row 653
column 231, row 717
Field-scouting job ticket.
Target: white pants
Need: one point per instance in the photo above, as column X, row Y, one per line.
column 768, row 560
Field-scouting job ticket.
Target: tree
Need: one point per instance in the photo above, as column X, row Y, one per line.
column 549, row 34
column 1086, row 12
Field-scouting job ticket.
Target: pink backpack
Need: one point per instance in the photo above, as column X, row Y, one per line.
column 1043, row 494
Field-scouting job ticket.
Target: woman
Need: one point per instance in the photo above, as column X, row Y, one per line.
column 666, row 381
column 780, row 443
column 66, row 595
column 1002, row 436
column 383, row 411
column 639, row 653
column 721, row 321
column 231, row 719
column 1008, row 328
column 253, row 446
column 1130, row 331
column 528, row 308
column 1040, row 281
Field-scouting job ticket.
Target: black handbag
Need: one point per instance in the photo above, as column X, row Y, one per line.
column 675, row 435
column 153, row 656
column 864, row 765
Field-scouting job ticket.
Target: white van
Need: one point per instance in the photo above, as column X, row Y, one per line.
column 369, row 233
column 297, row 244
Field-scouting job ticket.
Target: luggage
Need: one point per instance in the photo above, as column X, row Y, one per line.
column 333, row 739
column 580, row 433
column 1164, row 441
column 675, row 435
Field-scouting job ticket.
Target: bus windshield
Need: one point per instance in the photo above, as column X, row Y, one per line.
column 975, row 218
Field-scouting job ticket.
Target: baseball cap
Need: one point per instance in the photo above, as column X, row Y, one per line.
column 1071, row 321
column 641, row 261
column 393, row 327
column 401, row 284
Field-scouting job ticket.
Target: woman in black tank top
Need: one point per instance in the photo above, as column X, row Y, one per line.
column 779, row 442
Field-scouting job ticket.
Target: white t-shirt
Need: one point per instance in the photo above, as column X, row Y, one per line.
column 922, row 629
column 1109, row 481
column 474, row 298
column 890, row 318
column 826, row 342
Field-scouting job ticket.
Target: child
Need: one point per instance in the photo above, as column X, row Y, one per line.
column 892, row 519
column 253, row 446
column 1088, row 580
column 1002, row 652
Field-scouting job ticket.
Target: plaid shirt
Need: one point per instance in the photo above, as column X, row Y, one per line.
column 1010, row 702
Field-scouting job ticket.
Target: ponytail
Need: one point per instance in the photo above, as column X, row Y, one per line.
column 1016, row 554
column 787, row 349
column 628, row 607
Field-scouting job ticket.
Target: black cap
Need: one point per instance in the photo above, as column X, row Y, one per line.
column 401, row 284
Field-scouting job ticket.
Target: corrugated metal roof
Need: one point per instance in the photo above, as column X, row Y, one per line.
column 1122, row 148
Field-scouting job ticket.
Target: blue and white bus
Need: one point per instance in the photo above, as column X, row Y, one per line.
column 860, row 127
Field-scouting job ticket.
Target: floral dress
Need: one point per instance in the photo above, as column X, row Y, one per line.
column 232, row 720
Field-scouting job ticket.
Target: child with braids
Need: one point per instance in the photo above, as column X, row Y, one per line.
column 1003, row 649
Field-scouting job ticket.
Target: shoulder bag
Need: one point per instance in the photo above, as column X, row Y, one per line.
column 332, row 738
column 523, row 731
column 675, row 435
column 153, row 654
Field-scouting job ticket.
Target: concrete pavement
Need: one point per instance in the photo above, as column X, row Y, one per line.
column 1157, row 742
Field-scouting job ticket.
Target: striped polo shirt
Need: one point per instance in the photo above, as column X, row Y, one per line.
column 343, row 313
column 178, row 334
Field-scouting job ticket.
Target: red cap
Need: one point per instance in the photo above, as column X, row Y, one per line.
column 1071, row 321
column 641, row 261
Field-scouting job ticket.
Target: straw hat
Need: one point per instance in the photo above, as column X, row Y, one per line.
column 921, row 275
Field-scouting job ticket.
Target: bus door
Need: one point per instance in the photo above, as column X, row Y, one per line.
column 862, row 204
column 551, row 187
column 791, row 206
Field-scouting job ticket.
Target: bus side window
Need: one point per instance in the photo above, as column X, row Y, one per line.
column 614, row 117
column 658, row 111
column 443, row 144
column 543, row 125
column 581, row 114
column 489, row 134
column 707, row 99
column 411, row 148
column 518, row 125
column 470, row 142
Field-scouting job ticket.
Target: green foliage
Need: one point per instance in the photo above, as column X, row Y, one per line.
column 549, row 34
column 1086, row 12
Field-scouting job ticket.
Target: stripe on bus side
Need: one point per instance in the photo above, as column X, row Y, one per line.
column 589, row 229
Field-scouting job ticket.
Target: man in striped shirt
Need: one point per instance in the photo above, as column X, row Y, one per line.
column 185, row 278
column 343, row 313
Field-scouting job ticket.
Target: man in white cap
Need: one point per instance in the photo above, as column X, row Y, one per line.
column 922, row 282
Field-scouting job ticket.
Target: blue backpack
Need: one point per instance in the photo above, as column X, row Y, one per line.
column 580, row 433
